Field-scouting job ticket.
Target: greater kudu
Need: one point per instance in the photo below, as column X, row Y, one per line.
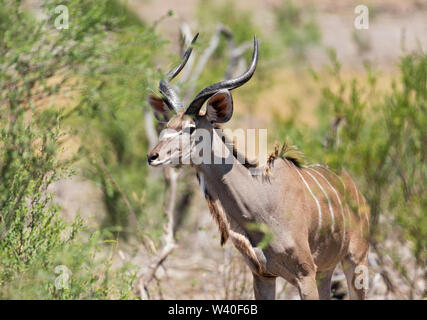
column 315, row 217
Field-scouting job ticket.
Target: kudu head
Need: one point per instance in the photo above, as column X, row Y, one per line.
column 178, row 140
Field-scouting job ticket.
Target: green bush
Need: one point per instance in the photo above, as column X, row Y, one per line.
column 243, row 27
column 108, row 117
column 39, row 64
column 380, row 141
column 110, row 124
column 298, row 29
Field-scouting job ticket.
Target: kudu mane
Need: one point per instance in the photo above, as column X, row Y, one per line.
column 287, row 152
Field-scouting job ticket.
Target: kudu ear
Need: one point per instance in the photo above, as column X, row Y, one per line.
column 160, row 108
column 219, row 107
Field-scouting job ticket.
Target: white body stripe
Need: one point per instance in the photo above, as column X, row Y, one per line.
column 314, row 197
column 326, row 168
column 340, row 203
column 331, row 210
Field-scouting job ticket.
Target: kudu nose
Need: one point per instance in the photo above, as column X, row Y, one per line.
column 152, row 157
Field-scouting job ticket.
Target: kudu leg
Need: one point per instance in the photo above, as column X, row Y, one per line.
column 307, row 287
column 324, row 284
column 264, row 287
column 357, row 278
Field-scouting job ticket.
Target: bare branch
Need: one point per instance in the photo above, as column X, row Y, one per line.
column 132, row 214
column 186, row 37
column 236, row 57
column 171, row 180
column 201, row 63
column 332, row 136
column 213, row 44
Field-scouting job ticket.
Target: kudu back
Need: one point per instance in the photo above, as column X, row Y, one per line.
column 316, row 218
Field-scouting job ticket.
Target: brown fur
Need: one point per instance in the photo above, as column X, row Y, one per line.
column 287, row 152
column 176, row 122
column 243, row 245
column 236, row 153
column 239, row 240
column 219, row 216
column 299, row 208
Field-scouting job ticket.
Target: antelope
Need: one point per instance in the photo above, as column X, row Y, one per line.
column 316, row 218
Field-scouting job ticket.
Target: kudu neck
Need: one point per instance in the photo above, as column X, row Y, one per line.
column 222, row 160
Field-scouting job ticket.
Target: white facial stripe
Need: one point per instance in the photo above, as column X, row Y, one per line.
column 169, row 135
column 327, row 198
column 340, row 203
column 315, row 199
column 158, row 163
